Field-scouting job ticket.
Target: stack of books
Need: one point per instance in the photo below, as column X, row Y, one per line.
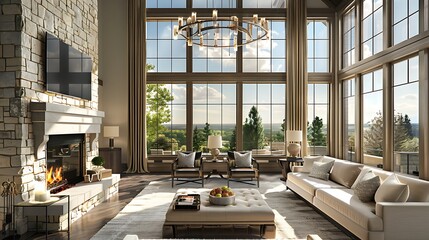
column 187, row 201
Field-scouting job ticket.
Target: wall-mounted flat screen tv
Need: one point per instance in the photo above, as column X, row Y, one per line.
column 68, row 71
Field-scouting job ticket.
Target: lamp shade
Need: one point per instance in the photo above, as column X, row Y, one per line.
column 111, row 131
column 294, row 135
column 214, row 142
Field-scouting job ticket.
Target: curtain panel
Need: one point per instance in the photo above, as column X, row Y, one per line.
column 297, row 77
column 137, row 154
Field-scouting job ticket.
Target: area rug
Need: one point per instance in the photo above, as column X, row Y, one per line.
column 144, row 216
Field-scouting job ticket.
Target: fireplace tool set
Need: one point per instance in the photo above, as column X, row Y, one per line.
column 9, row 192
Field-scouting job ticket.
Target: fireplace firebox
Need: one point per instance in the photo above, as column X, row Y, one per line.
column 64, row 163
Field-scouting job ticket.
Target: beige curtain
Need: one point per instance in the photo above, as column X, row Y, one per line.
column 297, row 77
column 137, row 155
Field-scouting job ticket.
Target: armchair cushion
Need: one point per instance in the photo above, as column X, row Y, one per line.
column 243, row 160
column 186, row 160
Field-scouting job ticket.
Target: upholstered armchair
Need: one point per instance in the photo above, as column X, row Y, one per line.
column 243, row 174
column 185, row 171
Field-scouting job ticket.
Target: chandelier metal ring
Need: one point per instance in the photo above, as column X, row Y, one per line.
column 196, row 31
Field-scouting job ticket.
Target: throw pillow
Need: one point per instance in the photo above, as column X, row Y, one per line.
column 308, row 163
column 186, row 160
column 243, row 160
column 365, row 189
column 345, row 173
column 391, row 190
column 321, row 170
column 362, row 174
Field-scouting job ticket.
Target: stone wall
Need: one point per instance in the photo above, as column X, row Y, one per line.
column 23, row 25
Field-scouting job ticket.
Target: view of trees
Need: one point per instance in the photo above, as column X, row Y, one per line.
column 315, row 134
column 253, row 131
column 404, row 140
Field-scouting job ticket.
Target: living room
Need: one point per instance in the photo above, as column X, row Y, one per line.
column 258, row 96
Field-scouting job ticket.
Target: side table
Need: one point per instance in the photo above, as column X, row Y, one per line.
column 33, row 204
column 215, row 167
column 285, row 165
column 112, row 156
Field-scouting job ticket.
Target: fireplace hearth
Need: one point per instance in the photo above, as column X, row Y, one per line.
column 65, row 161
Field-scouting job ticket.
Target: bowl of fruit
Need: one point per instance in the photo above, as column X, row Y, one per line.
column 222, row 196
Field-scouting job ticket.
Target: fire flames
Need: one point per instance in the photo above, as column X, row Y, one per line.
column 54, row 176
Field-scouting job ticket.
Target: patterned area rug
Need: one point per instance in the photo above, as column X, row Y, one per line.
column 144, row 216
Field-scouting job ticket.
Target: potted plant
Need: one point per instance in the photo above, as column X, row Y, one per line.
column 98, row 162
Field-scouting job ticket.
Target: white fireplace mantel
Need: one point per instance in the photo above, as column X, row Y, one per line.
column 52, row 119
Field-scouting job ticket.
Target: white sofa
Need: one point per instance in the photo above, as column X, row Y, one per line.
column 381, row 220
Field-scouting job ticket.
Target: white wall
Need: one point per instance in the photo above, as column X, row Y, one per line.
column 113, row 69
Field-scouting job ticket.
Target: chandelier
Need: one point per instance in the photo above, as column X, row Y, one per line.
column 207, row 32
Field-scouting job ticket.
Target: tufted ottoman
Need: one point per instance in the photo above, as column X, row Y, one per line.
column 249, row 211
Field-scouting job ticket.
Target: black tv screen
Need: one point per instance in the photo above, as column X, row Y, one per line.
column 68, row 71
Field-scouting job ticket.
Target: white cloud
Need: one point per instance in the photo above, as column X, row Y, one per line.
column 200, row 93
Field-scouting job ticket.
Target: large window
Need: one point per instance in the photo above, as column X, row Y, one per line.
column 166, row 118
column 164, row 53
column 372, row 27
column 267, row 55
column 317, row 129
column 264, row 3
column 166, row 3
column 213, row 4
column 406, row 115
column 214, row 112
column 349, row 119
column 349, row 38
column 405, row 20
column 373, row 132
column 263, row 117
column 211, row 59
column 318, row 46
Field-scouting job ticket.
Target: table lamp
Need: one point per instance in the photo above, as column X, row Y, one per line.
column 293, row 137
column 111, row 132
column 213, row 143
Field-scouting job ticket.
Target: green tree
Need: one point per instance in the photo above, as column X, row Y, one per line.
column 280, row 136
column 158, row 112
column 197, row 139
column 403, row 138
column 207, row 131
column 315, row 134
column 233, row 141
column 253, row 131
column 373, row 136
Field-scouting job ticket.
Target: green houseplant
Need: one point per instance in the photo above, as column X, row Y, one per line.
column 97, row 161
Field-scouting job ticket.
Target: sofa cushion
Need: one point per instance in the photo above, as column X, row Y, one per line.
column 345, row 173
column 346, row 203
column 362, row 173
column 366, row 188
column 186, row 160
column 391, row 190
column 419, row 189
column 309, row 184
column 321, row 170
column 309, row 161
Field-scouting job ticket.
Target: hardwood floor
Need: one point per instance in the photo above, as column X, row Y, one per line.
column 88, row 225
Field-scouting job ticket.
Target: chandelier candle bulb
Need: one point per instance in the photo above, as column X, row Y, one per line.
column 194, row 17
column 180, row 21
column 189, row 21
column 214, row 15
column 255, row 18
column 175, row 32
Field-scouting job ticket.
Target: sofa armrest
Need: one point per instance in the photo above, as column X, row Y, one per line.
column 297, row 168
column 402, row 220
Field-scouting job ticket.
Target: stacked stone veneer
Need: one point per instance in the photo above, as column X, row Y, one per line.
column 23, row 25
